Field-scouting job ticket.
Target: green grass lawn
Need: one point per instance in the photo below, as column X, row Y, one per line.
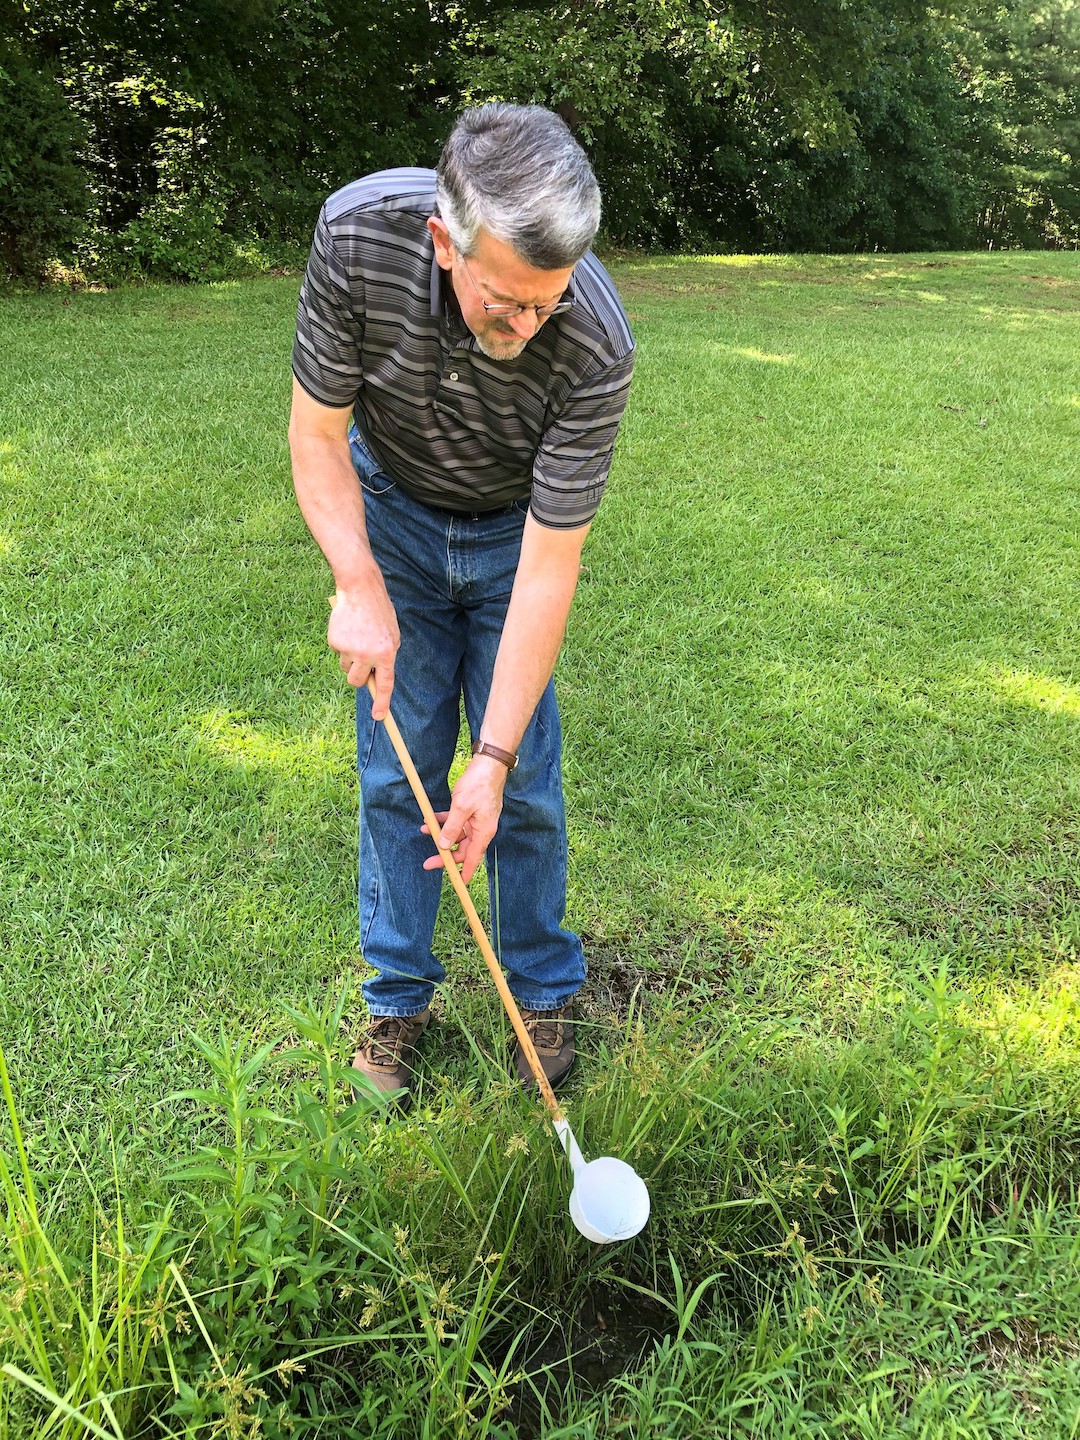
column 821, row 702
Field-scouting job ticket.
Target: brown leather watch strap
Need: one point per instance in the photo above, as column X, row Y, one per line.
column 505, row 757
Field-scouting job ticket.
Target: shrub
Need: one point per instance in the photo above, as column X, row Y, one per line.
column 177, row 237
column 43, row 192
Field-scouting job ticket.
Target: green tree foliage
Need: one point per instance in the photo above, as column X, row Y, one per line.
column 1020, row 64
column 899, row 180
column 621, row 74
column 234, row 116
column 669, row 95
column 802, row 126
column 798, row 124
column 43, row 191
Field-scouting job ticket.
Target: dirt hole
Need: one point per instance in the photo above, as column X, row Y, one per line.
column 609, row 1333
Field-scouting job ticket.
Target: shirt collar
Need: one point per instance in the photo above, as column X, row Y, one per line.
column 438, row 298
column 444, row 303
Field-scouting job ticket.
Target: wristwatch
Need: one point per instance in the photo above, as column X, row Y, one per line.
column 485, row 747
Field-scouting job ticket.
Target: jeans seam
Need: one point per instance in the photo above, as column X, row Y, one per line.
column 552, row 768
column 525, row 1005
column 371, row 913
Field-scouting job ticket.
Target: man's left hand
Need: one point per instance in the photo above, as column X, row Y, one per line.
column 473, row 817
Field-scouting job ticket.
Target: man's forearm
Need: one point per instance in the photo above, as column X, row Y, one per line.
column 332, row 503
column 362, row 628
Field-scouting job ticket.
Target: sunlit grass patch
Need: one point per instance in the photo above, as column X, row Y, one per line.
column 1042, row 692
column 234, row 738
column 749, row 353
column 1040, row 1022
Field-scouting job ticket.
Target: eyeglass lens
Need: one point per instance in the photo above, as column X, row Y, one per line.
column 558, row 307
column 542, row 310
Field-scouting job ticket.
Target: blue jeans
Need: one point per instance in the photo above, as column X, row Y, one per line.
column 450, row 579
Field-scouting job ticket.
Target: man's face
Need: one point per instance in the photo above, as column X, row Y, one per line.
column 495, row 273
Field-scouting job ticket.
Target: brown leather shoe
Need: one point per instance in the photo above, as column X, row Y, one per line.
column 552, row 1032
column 385, row 1055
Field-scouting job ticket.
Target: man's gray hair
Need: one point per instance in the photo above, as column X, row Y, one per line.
column 518, row 173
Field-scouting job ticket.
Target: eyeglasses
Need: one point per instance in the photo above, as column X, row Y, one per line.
column 558, row 307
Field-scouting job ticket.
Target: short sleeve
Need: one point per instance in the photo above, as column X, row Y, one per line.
column 329, row 324
column 574, row 458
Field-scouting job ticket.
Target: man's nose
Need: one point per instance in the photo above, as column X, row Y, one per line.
column 526, row 324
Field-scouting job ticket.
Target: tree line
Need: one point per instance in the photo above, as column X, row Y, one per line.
column 148, row 137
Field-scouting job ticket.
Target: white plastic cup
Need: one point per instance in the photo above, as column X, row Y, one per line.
column 609, row 1201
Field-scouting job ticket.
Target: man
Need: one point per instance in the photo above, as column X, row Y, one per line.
column 461, row 367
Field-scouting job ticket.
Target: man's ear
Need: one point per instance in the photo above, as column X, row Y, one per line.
column 444, row 250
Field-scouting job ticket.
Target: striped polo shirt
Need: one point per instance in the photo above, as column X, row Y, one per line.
column 379, row 329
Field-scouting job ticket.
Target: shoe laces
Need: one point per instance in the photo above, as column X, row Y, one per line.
column 386, row 1039
column 545, row 1028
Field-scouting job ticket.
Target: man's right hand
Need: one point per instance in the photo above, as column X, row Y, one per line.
column 363, row 630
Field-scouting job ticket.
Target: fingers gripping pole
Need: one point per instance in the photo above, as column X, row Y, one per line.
column 450, row 865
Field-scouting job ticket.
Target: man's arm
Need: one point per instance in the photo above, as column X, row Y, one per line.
column 363, row 628
column 544, row 585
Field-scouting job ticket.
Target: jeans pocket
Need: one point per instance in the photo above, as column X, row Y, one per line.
column 372, row 480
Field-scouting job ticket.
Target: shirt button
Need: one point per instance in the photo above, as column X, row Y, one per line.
column 453, row 374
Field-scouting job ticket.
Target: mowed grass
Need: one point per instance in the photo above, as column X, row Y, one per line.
column 822, row 719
